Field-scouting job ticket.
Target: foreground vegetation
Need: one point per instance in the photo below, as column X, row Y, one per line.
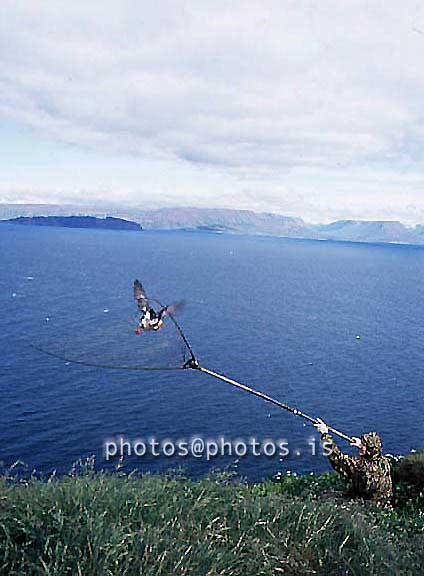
column 96, row 524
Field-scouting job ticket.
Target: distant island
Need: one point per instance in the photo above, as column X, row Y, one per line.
column 212, row 220
column 108, row 223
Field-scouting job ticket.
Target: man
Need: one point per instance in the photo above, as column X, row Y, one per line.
column 369, row 472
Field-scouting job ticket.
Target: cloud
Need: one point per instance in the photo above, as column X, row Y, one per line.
column 261, row 92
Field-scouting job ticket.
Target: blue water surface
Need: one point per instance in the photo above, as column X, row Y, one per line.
column 280, row 315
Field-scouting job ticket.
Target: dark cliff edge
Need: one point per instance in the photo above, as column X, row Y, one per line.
column 108, row 223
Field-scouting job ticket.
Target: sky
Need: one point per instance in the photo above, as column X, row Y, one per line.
column 304, row 108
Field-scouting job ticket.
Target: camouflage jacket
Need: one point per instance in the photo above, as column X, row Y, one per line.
column 370, row 477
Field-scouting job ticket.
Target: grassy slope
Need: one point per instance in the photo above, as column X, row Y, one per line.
column 102, row 524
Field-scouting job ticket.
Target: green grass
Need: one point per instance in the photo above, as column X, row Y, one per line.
column 98, row 524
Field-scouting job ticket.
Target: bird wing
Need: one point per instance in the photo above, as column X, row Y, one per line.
column 173, row 308
column 140, row 295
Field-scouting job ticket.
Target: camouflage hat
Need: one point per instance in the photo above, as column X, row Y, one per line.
column 372, row 443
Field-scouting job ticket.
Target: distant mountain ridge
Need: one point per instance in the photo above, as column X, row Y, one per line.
column 234, row 221
column 370, row 231
column 224, row 220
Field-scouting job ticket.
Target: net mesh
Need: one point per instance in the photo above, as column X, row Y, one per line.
column 107, row 337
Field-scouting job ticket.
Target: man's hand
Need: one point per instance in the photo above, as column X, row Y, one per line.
column 356, row 442
column 321, row 426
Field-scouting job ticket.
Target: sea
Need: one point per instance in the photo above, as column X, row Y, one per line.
column 334, row 329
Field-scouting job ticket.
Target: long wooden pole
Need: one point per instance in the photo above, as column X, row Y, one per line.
column 265, row 397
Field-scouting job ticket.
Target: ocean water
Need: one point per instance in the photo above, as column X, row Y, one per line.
column 279, row 315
